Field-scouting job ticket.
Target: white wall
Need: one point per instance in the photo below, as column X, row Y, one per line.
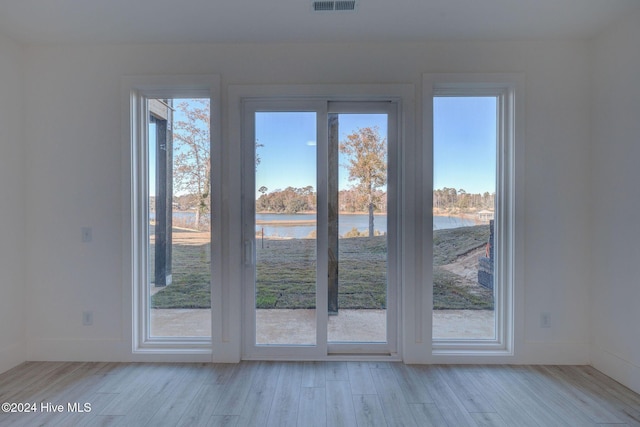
column 615, row 293
column 74, row 175
column 12, row 208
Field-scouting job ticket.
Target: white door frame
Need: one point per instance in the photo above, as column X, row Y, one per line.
column 305, row 96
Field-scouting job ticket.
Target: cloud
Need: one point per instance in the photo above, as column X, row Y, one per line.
column 311, row 143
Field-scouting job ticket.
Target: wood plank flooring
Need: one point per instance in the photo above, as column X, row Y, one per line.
column 311, row 394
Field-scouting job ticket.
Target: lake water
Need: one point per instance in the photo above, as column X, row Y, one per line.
column 289, row 227
column 346, row 224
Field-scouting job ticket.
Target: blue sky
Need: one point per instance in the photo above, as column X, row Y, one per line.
column 288, row 157
column 152, row 159
column 288, row 152
column 464, row 145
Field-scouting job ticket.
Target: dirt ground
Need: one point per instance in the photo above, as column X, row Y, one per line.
column 466, row 266
column 184, row 236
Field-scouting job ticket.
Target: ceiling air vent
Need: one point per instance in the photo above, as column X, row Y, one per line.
column 346, row 5
column 340, row 5
column 323, row 5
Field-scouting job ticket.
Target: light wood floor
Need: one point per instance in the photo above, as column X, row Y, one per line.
column 315, row 394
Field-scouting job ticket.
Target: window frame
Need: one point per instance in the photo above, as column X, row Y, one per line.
column 507, row 88
column 136, row 90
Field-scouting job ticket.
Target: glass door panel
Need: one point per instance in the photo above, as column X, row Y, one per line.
column 358, row 297
column 285, row 228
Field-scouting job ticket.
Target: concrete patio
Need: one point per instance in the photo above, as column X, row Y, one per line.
column 287, row 326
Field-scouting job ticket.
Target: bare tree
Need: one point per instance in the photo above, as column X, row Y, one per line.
column 192, row 161
column 367, row 156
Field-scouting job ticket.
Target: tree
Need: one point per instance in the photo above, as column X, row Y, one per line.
column 367, row 156
column 290, row 200
column 192, row 162
column 258, row 159
column 463, row 200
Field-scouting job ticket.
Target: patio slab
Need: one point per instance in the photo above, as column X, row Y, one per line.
column 298, row 326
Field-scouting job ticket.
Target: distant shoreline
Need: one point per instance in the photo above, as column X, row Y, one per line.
column 300, row 222
column 314, row 212
column 465, row 215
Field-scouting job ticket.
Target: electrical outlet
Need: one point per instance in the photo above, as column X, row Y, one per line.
column 87, row 318
column 545, row 320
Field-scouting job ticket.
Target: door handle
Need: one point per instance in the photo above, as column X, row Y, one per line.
column 249, row 254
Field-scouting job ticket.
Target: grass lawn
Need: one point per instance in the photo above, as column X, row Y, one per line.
column 191, row 274
column 286, row 273
column 449, row 291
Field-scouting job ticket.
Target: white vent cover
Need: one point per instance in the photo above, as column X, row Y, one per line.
column 328, row 5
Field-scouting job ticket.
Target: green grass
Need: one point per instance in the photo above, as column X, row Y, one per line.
column 449, row 244
column 286, row 273
column 191, row 274
column 448, row 291
column 450, row 294
column 183, row 295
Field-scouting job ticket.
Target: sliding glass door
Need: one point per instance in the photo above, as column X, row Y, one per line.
column 319, row 197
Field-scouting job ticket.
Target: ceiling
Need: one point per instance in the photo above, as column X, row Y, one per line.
column 207, row 21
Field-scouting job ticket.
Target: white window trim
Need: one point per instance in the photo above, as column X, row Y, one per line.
column 135, row 91
column 509, row 304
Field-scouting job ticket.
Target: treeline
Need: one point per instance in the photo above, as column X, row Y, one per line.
column 452, row 200
column 188, row 202
column 290, row 200
column 354, row 201
column 185, row 202
column 294, row 200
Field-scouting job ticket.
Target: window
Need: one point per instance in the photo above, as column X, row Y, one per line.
column 170, row 152
column 178, row 289
column 471, row 123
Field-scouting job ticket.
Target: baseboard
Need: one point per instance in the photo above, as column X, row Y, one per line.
column 12, row 355
column 103, row 351
column 613, row 366
column 553, row 353
column 527, row 353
